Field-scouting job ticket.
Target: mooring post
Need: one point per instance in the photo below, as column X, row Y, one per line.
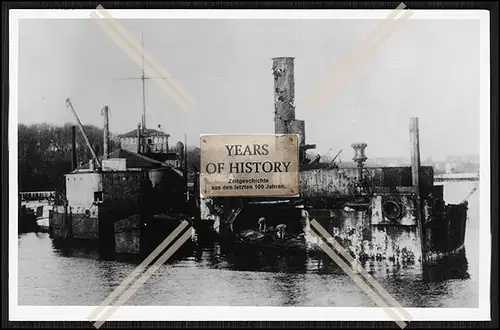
column 415, row 154
column 74, row 164
column 415, row 177
column 105, row 113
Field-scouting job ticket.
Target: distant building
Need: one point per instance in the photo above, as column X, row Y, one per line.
column 472, row 159
column 387, row 161
column 451, row 168
column 151, row 143
column 151, row 140
column 439, row 167
column 454, row 159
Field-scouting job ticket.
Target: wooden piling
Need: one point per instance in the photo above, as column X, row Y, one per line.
column 415, row 154
column 415, row 176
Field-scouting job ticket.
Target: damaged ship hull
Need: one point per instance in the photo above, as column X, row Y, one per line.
column 384, row 223
column 376, row 213
column 122, row 209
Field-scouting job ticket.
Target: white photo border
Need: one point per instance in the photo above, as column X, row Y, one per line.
column 219, row 313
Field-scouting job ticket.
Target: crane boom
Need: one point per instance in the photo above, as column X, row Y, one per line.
column 94, row 156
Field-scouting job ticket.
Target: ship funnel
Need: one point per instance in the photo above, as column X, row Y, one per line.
column 284, row 102
column 284, row 94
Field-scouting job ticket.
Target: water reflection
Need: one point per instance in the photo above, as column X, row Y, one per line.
column 289, row 288
column 56, row 273
column 217, row 256
column 95, row 250
column 78, row 249
column 451, row 267
column 264, row 260
column 211, row 274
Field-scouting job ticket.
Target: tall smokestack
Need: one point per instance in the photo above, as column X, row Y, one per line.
column 284, row 94
column 73, row 148
column 105, row 113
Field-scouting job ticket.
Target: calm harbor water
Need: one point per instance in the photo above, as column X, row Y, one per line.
column 209, row 275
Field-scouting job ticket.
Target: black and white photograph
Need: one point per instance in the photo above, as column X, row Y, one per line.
column 249, row 165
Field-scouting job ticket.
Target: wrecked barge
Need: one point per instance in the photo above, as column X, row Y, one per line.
column 124, row 201
column 375, row 213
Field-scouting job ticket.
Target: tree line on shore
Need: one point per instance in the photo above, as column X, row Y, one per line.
column 45, row 155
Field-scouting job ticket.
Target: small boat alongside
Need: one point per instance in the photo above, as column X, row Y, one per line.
column 264, row 225
column 255, row 238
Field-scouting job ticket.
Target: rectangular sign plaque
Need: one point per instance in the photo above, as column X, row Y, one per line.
column 249, row 165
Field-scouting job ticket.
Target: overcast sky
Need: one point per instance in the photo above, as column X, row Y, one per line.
column 428, row 69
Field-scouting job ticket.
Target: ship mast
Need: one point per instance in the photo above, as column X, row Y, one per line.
column 143, row 77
